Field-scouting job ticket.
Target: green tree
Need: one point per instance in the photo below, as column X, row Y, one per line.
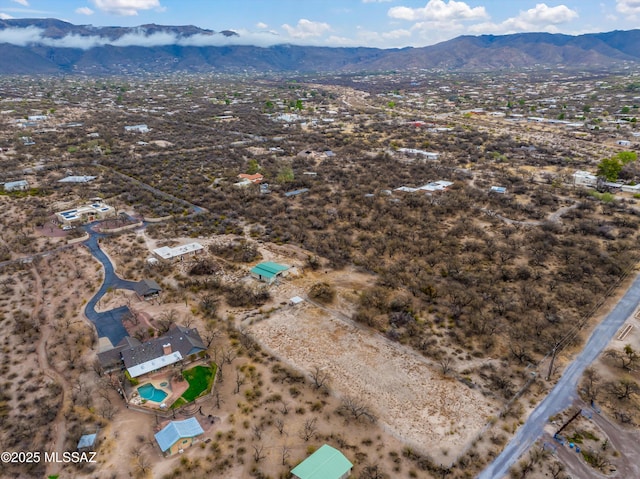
column 299, row 105
column 285, row 175
column 253, row 167
column 627, row 157
column 610, row 168
column 625, row 110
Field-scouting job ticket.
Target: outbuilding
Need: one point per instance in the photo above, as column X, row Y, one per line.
column 177, row 436
column 326, row 463
column 268, row 271
column 20, row 185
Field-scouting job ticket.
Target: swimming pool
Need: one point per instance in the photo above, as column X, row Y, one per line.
column 149, row 392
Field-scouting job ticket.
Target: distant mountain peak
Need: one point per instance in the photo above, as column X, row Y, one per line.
column 57, row 46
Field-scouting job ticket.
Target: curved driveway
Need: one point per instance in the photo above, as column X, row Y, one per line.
column 109, row 323
column 564, row 393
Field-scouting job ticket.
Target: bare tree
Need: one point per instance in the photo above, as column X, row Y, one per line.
column 167, row 319
column 258, row 454
column 356, row 409
column 446, row 365
column 591, row 383
column 319, row 377
column 279, row 422
column 628, row 357
column 284, row 454
column 372, row 471
column 309, row 429
column 219, row 400
column 257, row 431
column 240, row 379
column 624, row 388
column 284, row 407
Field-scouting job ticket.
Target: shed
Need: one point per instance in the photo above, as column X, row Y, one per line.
column 295, row 300
column 498, row 189
column 147, row 288
column 326, row 463
column 289, row 194
column 178, row 435
column 87, row 441
column 268, row 271
column 20, row 185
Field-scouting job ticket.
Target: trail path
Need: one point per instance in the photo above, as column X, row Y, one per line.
column 59, row 424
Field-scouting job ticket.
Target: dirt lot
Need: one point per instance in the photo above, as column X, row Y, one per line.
column 414, row 402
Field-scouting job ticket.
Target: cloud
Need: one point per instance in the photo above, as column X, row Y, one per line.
column 539, row 18
column 262, row 25
column 629, row 7
column 138, row 37
column 439, row 11
column 307, row 29
column 84, row 11
column 24, row 3
column 125, row 7
column 4, row 16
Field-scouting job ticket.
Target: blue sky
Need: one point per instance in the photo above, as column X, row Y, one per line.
column 375, row 23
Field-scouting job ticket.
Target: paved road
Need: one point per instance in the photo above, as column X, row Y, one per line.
column 108, row 323
column 565, row 391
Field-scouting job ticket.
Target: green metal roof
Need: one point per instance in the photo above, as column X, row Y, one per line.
column 268, row 269
column 325, row 463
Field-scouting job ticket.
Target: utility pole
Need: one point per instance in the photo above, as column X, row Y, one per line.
column 553, row 358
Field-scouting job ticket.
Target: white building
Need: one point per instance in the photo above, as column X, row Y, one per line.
column 167, row 253
column 137, row 128
column 85, row 214
column 20, row 185
column 584, row 178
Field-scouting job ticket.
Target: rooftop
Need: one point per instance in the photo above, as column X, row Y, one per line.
column 326, row 463
column 167, row 253
column 176, row 430
column 268, row 269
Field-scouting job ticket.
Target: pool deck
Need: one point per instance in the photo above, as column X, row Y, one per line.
column 174, row 389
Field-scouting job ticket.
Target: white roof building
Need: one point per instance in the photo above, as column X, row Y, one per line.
column 440, row 185
column 77, row 179
column 137, row 128
column 168, row 253
column 16, row 185
column 584, row 178
column 154, row 364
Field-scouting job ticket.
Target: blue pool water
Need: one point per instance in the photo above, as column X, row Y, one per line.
column 149, row 392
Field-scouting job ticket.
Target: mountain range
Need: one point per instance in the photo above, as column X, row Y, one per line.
column 50, row 46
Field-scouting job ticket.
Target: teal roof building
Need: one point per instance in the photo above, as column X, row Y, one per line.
column 326, row 463
column 268, row 271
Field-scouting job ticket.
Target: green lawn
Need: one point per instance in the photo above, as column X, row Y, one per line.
column 200, row 380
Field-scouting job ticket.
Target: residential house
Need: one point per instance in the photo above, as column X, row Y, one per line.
column 501, row 190
column 255, row 179
column 326, row 463
column 177, row 436
column 268, row 271
column 147, row 289
column 167, row 253
column 623, row 142
column 20, row 185
column 178, row 344
column 85, row 214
